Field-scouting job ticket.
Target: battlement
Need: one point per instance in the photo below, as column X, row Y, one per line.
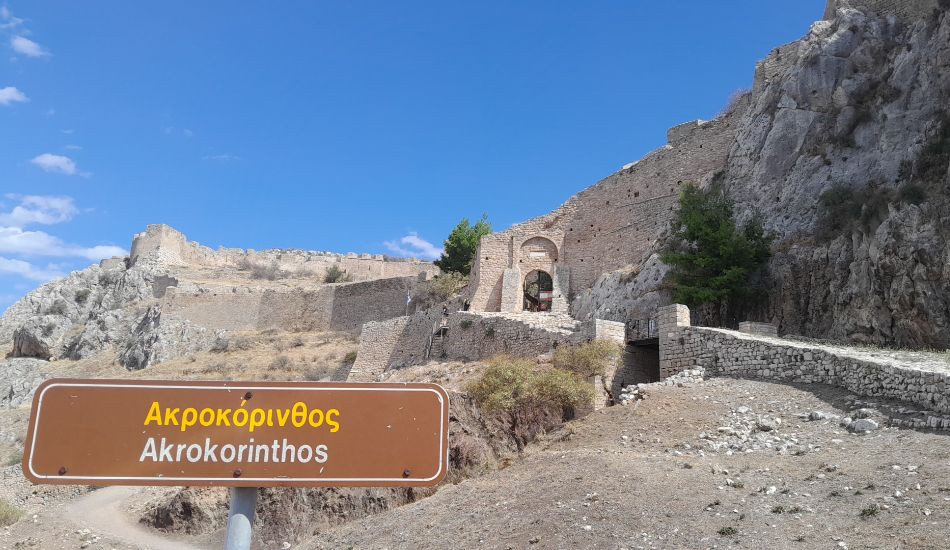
column 903, row 9
column 163, row 244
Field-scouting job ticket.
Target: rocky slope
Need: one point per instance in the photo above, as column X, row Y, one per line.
column 855, row 112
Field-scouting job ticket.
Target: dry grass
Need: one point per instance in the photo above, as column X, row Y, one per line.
column 590, row 359
column 9, row 514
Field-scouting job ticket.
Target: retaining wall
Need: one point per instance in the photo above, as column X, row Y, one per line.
column 730, row 353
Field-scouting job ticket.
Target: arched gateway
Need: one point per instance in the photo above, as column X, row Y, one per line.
column 538, row 291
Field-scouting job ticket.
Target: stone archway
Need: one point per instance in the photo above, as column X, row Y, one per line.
column 538, row 291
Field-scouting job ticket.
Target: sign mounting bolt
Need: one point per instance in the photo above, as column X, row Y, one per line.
column 62, row 470
column 406, row 473
column 237, row 472
column 248, row 395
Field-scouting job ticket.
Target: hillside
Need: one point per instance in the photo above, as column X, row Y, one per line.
column 822, row 425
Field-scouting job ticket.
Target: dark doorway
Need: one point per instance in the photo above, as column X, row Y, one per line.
column 538, row 291
column 641, row 363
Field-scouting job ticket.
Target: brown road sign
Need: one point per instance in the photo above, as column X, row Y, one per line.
column 122, row 432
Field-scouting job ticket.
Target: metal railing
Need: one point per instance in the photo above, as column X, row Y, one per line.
column 642, row 329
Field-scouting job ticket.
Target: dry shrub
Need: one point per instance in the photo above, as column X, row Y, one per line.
column 590, row 359
column 270, row 272
column 336, row 275
column 9, row 514
column 349, row 358
column 280, row 362
column 296, row 342
column 515, row 386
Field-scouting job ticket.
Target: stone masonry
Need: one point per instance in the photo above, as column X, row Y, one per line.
column 730, row 353
column 612, row 224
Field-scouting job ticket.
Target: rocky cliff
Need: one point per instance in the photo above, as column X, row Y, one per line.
column 845, row 151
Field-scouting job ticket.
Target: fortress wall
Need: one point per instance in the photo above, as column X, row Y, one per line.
column 357, row 303
column 342, row 306
column 393, row 344
column 166, row 245
column 904, row 9
column 616, row 222
column 215, row 310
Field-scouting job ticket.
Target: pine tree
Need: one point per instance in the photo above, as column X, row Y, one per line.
column 460, row 247
column 712, row 260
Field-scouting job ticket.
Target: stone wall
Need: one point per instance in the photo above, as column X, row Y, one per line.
column 467, row 336
column 339, row 306
column 393, row 344
column 731, row 353
column 904, row 9
column 472, row 336
column 612, row 224
column 165, row 245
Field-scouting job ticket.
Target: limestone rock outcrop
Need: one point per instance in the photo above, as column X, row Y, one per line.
column 859, row 105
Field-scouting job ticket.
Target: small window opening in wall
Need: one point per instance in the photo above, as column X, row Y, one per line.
column 486, row 258
column 679, row 182
column 637, row 194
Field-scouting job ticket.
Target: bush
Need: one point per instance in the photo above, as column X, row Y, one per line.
column 590, row 359
column 81, row 295
column 14, row 459
column 9, row 514
column 522, row 389
column 270, row 272
column 220, row 345
column 280, row 362
column 911, row 193
column 465, row 324
column 349, row 358
column 932, row 161
column 296, row 342
column 336, row 275
column 57, row 308
column 842, row 209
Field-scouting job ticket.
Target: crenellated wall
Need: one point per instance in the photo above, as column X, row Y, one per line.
column 904, row 9
column 165, row 245
column 610, row 225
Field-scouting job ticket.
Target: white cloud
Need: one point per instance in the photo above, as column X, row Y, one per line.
column 10, row 95
column 68, row 131
column 55, row 163
column 7, row 20
column 187, row 133
column 27, row 47
column 414, row 246
column 73, row 147
column 14, row 240
column 27, row 270
column 225, row 157
column 39, row 209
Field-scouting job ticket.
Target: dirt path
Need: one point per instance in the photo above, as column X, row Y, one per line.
column 727, row 464
column 103, row 511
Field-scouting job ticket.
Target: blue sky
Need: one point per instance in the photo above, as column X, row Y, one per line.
column 344, row 126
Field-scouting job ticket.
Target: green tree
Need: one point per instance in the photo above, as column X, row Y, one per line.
column 712, row 260
column 460, row 247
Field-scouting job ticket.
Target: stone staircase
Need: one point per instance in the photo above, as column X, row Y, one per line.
column 437, row 345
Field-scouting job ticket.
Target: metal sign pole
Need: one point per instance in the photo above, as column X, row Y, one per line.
column 241, row 518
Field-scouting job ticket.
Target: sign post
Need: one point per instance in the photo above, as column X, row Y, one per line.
column 242, row 435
